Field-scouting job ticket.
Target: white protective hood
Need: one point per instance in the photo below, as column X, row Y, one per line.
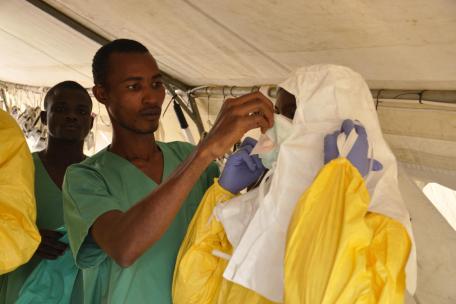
column 325, row 95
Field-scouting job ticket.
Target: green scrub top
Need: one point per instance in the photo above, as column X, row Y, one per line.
column 107, row 182
column 49, row 216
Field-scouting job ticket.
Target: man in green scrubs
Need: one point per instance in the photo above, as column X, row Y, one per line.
column 128, row 207
column 67, row 115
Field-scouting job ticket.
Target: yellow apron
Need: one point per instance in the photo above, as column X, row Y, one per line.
column 337, row 251
column 198, row 275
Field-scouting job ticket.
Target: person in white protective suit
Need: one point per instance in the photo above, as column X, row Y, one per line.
column 256, row 223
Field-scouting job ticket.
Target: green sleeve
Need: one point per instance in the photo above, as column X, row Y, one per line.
column 86, row 196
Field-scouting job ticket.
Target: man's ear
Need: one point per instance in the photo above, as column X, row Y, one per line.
column 43, row 117
column 100, row 94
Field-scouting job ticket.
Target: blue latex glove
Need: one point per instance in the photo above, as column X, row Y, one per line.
column 241, row 169
column 358, row 154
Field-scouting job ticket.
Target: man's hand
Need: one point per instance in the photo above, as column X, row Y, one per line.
column 241, row 169
column 50, row 247
column 236, row 117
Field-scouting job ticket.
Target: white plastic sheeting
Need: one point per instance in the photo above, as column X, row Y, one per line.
column 444, row 199
column 435, row 245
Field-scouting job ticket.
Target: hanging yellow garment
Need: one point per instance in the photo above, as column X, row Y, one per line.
column 337, row 251
column 19, row 236
column 198, row 274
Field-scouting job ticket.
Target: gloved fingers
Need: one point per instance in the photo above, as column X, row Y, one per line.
column 361, row 145
column 247, row 148
column 332, row 136
column 347, row 126
column 361, row 131
column 330, row 147
column 258, row 162
column 247, row 159
column 330, row 140
column 237, row 157
column 376, row 165
column 248, row 141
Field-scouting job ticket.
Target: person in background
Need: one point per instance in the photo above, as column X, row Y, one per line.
column 128, row 207
column 67, row 115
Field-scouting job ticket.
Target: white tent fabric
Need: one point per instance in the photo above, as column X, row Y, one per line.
column 36, row 49
column 422, row 134
column 241, row 42
column 444, row 199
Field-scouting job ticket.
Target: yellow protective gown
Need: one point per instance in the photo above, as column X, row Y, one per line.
column 337, row 251
column 198, row 274
column 19, row 236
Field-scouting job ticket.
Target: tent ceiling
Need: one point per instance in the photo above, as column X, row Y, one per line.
column 36, row 49
column 393, row 44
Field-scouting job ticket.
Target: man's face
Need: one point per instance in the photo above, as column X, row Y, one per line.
column 285, row 103
column 68, row 114
column 134, row 92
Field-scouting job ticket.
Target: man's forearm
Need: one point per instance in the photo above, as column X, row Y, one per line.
column 125, row 236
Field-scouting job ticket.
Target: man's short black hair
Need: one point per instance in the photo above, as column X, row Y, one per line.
column 101, row 58
column 64, row 85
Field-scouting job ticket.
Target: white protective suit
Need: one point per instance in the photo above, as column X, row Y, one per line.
column 325, row 96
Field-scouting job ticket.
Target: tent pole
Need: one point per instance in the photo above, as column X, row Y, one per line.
column 197, row 116
column 445, row 96
column 228, row 91
column 192, row 111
